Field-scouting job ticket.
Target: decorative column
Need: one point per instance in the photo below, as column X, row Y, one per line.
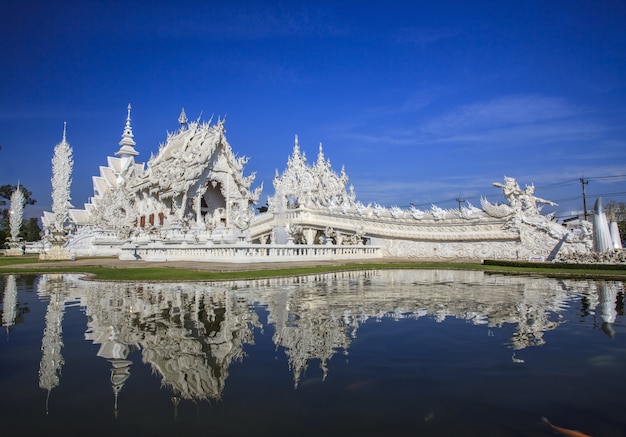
column 198, row 205
column 309, row 235
column 16, row 214
column 62, row 164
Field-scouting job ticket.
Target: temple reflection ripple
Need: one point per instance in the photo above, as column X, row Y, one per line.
column 190, row 334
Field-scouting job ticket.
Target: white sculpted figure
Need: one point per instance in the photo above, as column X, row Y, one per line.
column 397, row 212
column 521, row 200
column 511, row 191
column 379, row 209
column 115, row 210
column 470, row 211
column 360, row 208
column 529, row 200
column 417, row 213
column 437, row 212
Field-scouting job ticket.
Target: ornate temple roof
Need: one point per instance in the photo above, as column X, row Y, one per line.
column 314, row 185
column 127, row 144
column 195, row 155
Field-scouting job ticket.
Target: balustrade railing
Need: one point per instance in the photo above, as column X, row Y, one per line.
column 247, row 253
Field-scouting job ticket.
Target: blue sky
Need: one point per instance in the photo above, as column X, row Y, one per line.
column 422, row 102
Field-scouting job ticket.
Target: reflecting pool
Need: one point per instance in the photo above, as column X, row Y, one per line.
column 375, row 352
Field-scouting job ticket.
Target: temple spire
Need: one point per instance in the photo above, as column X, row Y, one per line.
column 182, row 119
column 127, row 144
column 320, row 156
column 296, row 146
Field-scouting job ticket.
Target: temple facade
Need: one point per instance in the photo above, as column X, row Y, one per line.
column 313, row 205
column 192, row 201
column 195, row 184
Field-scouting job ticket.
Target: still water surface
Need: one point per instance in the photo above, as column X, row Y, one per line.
column 384, row 352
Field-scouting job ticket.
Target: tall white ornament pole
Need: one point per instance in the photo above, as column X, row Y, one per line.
column 16, row 213
column 62, row 164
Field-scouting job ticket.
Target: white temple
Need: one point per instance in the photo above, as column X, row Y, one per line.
column 192, row 201
column 195, row 184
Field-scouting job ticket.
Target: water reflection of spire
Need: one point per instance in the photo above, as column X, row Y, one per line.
column 9, row 303
column 607, row 297
column 308, row 335
column 116, row 353
column 52, row 341
column 193, row 353
column 189, row 335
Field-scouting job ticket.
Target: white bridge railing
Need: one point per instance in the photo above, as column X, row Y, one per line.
column 246, row 253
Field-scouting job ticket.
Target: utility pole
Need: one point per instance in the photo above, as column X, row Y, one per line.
column 459, row 200
column 584, row 182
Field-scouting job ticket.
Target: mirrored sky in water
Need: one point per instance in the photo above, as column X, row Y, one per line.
column 425, row 352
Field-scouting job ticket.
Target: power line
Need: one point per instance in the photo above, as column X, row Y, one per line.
column 542, row 187
column 565, row 199
column 574, row 181
column 619, row 176
column 558, row 184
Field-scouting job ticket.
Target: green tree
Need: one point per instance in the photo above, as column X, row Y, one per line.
column 30, row 230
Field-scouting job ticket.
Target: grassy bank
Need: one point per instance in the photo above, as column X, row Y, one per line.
column 16, row 265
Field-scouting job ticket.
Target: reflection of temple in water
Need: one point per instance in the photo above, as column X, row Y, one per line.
column 190, row 333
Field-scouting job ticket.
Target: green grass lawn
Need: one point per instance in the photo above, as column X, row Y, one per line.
column 166, row 273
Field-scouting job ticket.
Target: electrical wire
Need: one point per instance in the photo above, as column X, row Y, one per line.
column 543, row 188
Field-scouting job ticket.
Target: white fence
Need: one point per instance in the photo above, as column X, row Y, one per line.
column 246, row 253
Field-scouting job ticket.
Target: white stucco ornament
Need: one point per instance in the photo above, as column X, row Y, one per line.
column 16, row 214
column 192, row 201
column 56, row 224
column 62, row 165
column 314, row 185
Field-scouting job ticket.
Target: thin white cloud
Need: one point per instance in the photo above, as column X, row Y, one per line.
column 545, row 132
column 501, row 112
column 509, row 121
column 422, row 36
column 423, row 191
column 528, row 135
